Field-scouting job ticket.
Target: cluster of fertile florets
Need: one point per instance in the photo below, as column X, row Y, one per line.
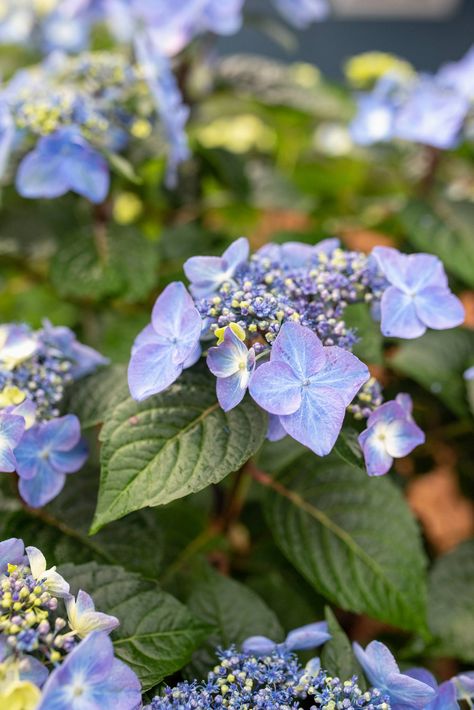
column 311, row 287
column 35, row 441
column 54, row 647
column 277, row 680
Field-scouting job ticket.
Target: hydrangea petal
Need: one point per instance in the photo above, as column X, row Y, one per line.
column 72, row 460
column 29, row 463
column 224, row 360
column 62, row 433
column 308, row 637
column 300, row 348
column 42, row 488
column 399, row 316
column 377, row 460
column 236, row 254
column 343, row 372
column 438, row 308
column 11, row 552
column 377, row 662
column 174, row 314
column 275, row 431
column 231, row 390
column 258, row 645
column 392, row 264
column 275, row 387
column 152, row 370
column 402, row 437
column 423, row 270
column 318, row 421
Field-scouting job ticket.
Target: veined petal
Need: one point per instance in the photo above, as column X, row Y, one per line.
column 343, row 372
column 387, row 412
column 27, row 454
column 151, row 370
column 276, row 388
column 225, row 359
column 231, row 390
column 275, row 431
column 11, row 552
column 299, row 348
column 60, row 434
column 174, row 315
column 42, row 488
column 408, row 693
column 8, row 462
column 70, row 461
column 392, row 264
column 423, row 270
column 438, row 308
column 377, row 459
column 377, row 662
column 12, row 428
column 399, row 316
column 235, row 255
column 318, row 421
column 206, row 273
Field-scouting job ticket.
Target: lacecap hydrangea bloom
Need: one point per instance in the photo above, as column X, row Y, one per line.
column 70, row 115
column 273, row 324
column 35, row 441
column 427, row 109
column 54, row 648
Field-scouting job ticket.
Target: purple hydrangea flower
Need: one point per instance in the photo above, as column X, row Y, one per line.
column 391, row 433
column 46, row 453
column 459, row 75
column 232, row 363
column 465, row 685
column 382, row 671
column 302, row 639
column 12, row 551
column 432, row 114
column 418, row 296
column 169, row 103
column 90, row 677
column 84, row 358
column 61, row 162
column 295, row 255
column 374, row 120
column 301, row 13
column 308, row 386
column 208, row 273
column 12, row 428
column 168, row 345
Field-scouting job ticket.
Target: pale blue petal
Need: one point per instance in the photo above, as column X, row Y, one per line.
column 275, row 431
column 84, row 602
column 87, row 173
column 43, row 487
column 301, row 13
column 258, row 646
column 423, row 270
column 275, row 388
column 387, row 412
column 33, row 671
column 318, row 421
column 307, row 637
column 407, row 693
column 27, row 454
column 193, row 356
column 377, row 460
column 405, row 402
column 399, row 316
column 70, row 461
column 12, row 552
column 300, row 348
column 171, row 307
column 40, row 175
column 231, row 390
column 465, row 682
column 343, row 372
column 60, row 434
column 438, row 308
column 224, row 359
column 152, row 369
column 147, row 336
column 423, row 675
column 446, row 698
column 235, row 255
column 8, row 462
column 402, row 438
column 392, row 264
column 206, row 274
column 12, row 428
column 377, row 662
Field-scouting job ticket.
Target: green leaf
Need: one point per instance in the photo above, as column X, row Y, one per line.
column 123, row 167
column 157, row 634
column 353, row 538
column 337, row 656
column 235, row 611
column 348, row 449
column 437, row 361
column 171, row 445
column 369, row 346
column 444, row 229
column 451, row 603
column 117, row 261
column 92, row 397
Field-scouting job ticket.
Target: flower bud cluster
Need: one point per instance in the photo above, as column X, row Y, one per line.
column 277, row 680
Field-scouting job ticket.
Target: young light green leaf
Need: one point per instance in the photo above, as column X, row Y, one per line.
column 157, row 634
column 353, row 538
column 171, row 445
column 451, row 603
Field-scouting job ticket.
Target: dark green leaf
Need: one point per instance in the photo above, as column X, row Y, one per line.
column 348, row 449
column 369, row 346
column 437, row 361
column 173, row 444
column 157, row 634
column 451, row 603
column 337, row 656
column 353, row 538
column 235, row 611
column 92, row 397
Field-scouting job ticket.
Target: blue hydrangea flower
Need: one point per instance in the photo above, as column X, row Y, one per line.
column 374, row 120
column 83, row 618
column 61, row 162
column 304, row 638
column 17, row 344
column 296, row 255
column 418, row 296
column 12, row 428
column 166, row 346
column 232, row 363
column 459, row 75
column 208, row 273
column 169, row 103
column 381, row 669
column 391, row 433
column 445, row 693
column 432, row 114
column 301, row 13
column 464, row 683
column 91, row 677
column 46, row 453
column 7, row 136
column 308, row 386
column 84, row 359
column 12, row 552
